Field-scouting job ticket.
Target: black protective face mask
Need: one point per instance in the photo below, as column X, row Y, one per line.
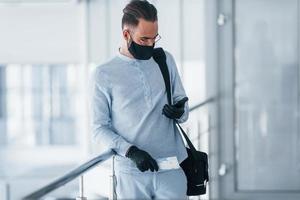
column 140, row 52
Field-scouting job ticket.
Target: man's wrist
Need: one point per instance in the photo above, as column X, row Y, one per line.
column 127, row 154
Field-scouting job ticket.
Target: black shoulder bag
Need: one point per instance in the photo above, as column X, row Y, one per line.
column 195, row 166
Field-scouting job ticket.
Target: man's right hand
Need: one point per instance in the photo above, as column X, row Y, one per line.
column 142, row 159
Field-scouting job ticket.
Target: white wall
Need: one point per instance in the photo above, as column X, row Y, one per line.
column 40, row 33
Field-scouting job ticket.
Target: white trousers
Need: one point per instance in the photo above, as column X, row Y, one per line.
column 165, row 184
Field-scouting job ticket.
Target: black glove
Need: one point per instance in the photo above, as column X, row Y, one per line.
column 142, row 159
column 175, row 111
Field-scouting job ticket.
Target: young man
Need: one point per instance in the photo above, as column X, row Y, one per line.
column 131, row 114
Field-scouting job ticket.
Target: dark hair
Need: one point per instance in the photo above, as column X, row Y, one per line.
column 137, row 9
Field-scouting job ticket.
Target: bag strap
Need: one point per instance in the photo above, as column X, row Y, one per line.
column 160, row 58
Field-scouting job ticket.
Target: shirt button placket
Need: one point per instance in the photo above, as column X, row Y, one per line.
column 146, row 88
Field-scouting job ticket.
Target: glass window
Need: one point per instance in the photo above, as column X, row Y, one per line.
column 37, row 105
column 266, row 95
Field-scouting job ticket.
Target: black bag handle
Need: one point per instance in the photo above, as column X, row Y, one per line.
column 160, row 58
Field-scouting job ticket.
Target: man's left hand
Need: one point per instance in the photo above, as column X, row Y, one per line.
column 175, row 111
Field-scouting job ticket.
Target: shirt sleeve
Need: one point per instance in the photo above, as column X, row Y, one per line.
column 100, row 108
column 177, row 89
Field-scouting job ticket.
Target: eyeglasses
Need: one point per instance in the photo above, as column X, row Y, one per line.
column 146, row 39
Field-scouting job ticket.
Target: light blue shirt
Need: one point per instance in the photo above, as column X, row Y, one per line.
column 127, row 99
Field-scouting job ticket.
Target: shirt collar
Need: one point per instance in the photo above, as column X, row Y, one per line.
column 125, row 58
column 128, row 59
